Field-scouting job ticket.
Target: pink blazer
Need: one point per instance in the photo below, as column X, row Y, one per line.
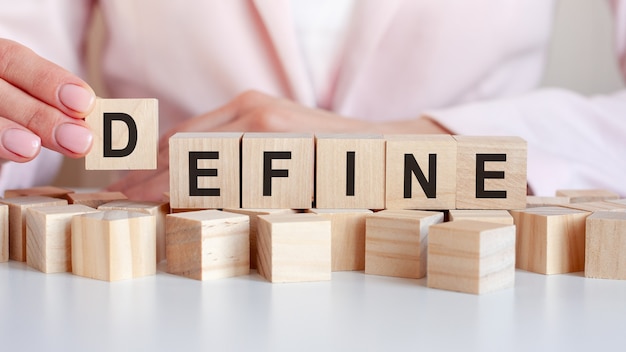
column 471, row 65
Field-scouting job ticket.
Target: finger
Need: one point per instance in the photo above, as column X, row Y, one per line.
column 17, row 143
column 57, row 131
column 44, row 80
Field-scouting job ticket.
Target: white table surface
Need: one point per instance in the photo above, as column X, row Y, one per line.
column 352, row 312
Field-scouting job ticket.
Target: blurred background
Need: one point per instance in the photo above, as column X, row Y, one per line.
column 581, row 58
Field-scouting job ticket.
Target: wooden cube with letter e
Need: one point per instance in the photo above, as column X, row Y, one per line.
column 126, row 134
column 421, row 172
column 277, row 170
column 350, row 171
column 491, row 172
column 204, row 170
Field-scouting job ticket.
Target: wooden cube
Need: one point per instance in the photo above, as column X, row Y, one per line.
column 126, row 134
column 550, row 240
column 17, row 221
column 204, row 170
column 113, row 245
column 159, row 210
column 587, row 195
column 471, row 256
column 491, row 173
column 277, row 170
column 95, row 199
column 254, row 221
column 350, row 171
column 294, row 247
column 44, row 191
column 499, row 216
column 207, row 244
column 396, row 242
column 420, row 172
column 605, row 245
column 347, row 231
column 601, row 205
column 48, row 237
column 4, row 233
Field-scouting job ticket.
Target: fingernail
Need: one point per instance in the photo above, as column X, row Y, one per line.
column 22, row 143
column 76, row 97
column 74, row 138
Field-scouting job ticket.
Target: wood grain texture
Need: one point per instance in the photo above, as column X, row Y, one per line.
column 587, row 195
column 201, row 152
column 550, row 240
column 208, row 244
column 334, row 155
column 158, row 210
column 254, row 225
column 347, row 228
column 396, row 242
column 539, row 201
column 499, row 216
column 441, row 149
column 605, row 246
column 95, row 199
column 511, row 167
column 294, row 248
column 471, row 256
column 17, row 221
column 291, row 190
column 44, row 191
column 48, row 237
column 145, row 113
column 4, row 233
column 113, row 245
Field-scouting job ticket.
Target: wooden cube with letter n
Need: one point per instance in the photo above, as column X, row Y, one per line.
column 471, row 256
column 126, row 134
column 350, row 171
column 207, row 244
column 491, row 172
column 277, row 170
column 421, row 172
column 204, row 170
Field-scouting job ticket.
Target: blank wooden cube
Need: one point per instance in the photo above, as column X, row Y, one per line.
column 254, row 220
column 48, row 237
column 605, row 246
column 491, row 172
column 396, row 242
column 17, row 221
column 347, row 228
column 601, row 205
column 587, row 195
column 499, row 216
column 4, row 233
column 420, row 172
column 277, row 170
column 350, row 171
column 159, row 210
column 204, row 170
column 113, row 245
column 207, row 244
column 126, row 134
column 294, row 247
column 550, row 240
column 44, row 191
column 95, row 199
column 471, row 256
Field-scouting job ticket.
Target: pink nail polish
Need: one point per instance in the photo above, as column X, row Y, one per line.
column 76, row 97
column 74, row 138
column 22, row 143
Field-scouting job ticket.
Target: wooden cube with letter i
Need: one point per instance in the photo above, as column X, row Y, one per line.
column 125, row 134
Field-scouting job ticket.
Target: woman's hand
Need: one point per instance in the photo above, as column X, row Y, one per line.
column 41, row 104
column 257, row 112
